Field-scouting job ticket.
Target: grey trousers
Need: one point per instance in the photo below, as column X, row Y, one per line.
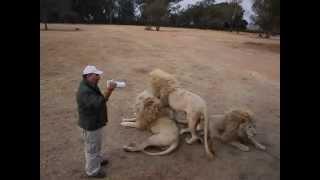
column 92, row 148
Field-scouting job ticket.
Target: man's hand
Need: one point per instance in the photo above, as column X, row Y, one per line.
column 112, row 86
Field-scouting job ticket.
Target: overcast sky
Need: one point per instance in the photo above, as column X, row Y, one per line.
column 246, row 5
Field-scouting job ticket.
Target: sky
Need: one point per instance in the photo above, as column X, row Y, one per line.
column 246, row 5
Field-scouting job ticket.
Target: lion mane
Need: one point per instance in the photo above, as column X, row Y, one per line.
column 162, row 84
column 148, row 109
column 232, row 121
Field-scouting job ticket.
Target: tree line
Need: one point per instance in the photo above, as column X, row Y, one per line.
column 205, row 14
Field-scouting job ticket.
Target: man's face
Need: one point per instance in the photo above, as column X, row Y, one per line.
column 93, row 78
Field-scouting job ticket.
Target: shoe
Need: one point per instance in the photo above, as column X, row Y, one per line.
column 104, row 162
column 100, row 174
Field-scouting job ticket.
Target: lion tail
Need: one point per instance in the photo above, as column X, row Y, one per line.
column 206, row 124
column 172, row 147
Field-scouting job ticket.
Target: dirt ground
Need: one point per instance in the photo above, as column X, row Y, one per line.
column 226, row 69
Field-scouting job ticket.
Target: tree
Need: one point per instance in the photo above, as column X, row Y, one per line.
column 236, row 15
column 44, row 13
column 267, row 15
column 155, row 11
column 90, row 10
column 224, row 15
column 174, row 14
column 204, row 14
column 207, row 3
column 127, row 11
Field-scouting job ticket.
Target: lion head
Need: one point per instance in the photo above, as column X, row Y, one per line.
column 149, row 112
column 162, row 84
column 247, row 129
column 238, row 123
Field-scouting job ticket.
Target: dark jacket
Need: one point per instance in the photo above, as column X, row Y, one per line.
column 92, row 107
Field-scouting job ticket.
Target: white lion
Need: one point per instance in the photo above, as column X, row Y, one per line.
column 233, row 127
column 167, row 89
column 151, row 117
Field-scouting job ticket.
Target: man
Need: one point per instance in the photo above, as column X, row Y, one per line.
column 93, row 116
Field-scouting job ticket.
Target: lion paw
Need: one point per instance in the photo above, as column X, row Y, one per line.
column 188, row 141
column 191, row 140
column 245, row 148
column 201, row 140
column 125, row 124
column 262, row 147
column 182, row 131
column 126, row 148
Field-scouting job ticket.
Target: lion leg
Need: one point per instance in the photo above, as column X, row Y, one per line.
column 187, row 130
column 192, row 123
column 182, row 131
column 154, row 140
column 133, row 148
column 200, row 126
column 200, row 129
column 225, row 137
column 240, row 146
column 171, row 113
column 257, row 144
column 194, row 137
column 130, row 124
column 181, row 121
column 129, row 119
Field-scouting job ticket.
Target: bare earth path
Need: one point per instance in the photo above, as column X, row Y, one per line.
column 227, row 69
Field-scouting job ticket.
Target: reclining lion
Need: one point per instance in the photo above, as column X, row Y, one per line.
column 233, row 127
column 167, row 89
column 151, row 117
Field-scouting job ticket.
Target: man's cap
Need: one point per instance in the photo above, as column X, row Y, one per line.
column 91, row 69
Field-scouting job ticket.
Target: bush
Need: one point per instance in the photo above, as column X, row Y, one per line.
column 71, row 17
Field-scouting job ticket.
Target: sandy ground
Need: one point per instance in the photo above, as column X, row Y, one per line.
column 227, row 69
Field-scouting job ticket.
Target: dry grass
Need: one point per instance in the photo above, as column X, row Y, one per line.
column 274, row 47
